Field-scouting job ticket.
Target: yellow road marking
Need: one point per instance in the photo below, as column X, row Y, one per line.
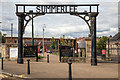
column 3, row 76
column 21, row 76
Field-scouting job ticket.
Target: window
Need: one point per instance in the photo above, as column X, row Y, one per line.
column 10, row 40
column 15, row 41
column 48, row 40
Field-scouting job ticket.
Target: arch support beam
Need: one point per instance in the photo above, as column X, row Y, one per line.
column 20, row 38
column 93, row 42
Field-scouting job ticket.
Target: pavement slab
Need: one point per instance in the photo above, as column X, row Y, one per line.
column 60, row 70
column 55, row 69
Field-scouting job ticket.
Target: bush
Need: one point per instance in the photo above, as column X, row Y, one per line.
column 54, row 54
column 39, row 57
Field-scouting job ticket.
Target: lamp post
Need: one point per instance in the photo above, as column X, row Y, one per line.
column 32, row 32
column 43, row 38
column 31, row 11
column 11, row 31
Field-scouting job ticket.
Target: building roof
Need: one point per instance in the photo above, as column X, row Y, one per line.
column 116, row 37
column 40, row 36
column 81, row 39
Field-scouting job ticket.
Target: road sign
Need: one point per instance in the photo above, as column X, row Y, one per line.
column 103, row 52
column 78, row 50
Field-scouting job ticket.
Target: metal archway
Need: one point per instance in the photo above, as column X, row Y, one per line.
column 25, row 15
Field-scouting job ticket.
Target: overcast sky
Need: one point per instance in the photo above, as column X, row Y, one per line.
column 63, row 24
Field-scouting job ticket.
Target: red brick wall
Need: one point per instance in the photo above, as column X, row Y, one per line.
column 35, row 39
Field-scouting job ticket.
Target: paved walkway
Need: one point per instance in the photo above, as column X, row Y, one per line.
column 52, row 58
column 55, row 69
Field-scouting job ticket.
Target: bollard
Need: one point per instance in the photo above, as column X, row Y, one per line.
column 2, row 63
column 37, row 58
column 47, row 58
column 36, row 54
column 70, row 72
column 28, row 67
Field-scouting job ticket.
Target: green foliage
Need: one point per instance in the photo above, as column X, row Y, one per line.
column 52, row 45
column 62, row 41
column 54, row 54
column 101, row 43
column 0, row 34
column 3, row 38
column 70, row 43
column 39, row 57
column 65, row 42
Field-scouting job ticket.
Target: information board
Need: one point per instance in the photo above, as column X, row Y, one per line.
column 13, row 52
column 66, row 51
column 30, row 51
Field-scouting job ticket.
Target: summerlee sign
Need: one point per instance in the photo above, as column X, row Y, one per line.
column 47, row 9
column 56, row 9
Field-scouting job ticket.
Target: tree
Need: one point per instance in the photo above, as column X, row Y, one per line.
column 70, row 43
column 52, row 45
column 62, row 41
column 65, row 42
column 2, row 38
column 101, row 44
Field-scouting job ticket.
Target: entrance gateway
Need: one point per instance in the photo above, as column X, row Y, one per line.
column 27, row 12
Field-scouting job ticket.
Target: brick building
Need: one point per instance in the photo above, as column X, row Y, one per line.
column 27, row 40
column 113, row 47
column 84, row 46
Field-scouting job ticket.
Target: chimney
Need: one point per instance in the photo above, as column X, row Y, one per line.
column 89, row 35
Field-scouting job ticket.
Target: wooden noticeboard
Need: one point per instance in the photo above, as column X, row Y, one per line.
column 30, row 51
column 66, row 51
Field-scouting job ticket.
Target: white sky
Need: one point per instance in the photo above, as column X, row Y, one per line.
column 57, row 25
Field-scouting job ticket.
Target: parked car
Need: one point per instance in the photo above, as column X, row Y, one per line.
column 48, row 51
